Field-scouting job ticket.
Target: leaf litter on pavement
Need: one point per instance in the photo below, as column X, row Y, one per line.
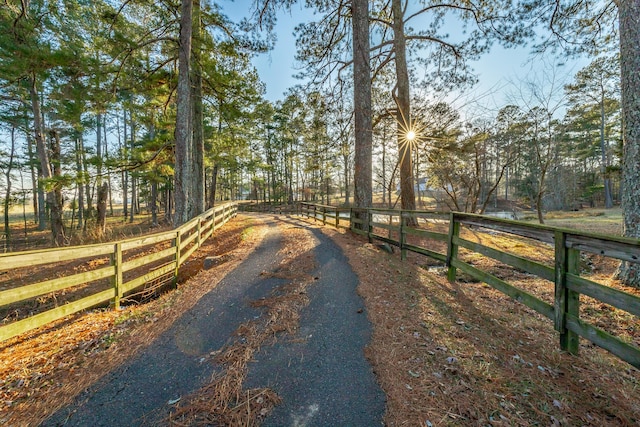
column 445, row 353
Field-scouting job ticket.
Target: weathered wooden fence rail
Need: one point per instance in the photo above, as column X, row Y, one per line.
column 122, row 267
column 444, row 230
column 269, row 207
column 336, row 216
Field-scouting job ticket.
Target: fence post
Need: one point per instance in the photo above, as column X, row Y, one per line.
column 403, row 238
column 452, row 248
column 337, row 218
column 351, row 218
column 175, row 274
column 566, row 301
column 199, row 240
column 324, row 215
column 368, row 215
column 117, row 277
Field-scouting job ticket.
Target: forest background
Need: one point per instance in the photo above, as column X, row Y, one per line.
column 114, row 108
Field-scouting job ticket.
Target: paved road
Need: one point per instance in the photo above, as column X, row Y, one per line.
column 323, row 377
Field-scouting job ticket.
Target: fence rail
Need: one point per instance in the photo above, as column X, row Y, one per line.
column 121, row 267
column 395, row 227
column 269, row 207
column 336, row 216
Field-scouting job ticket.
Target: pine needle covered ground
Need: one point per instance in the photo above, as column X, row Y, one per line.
column 445, row 354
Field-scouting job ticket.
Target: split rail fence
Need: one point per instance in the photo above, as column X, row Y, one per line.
column 442, row 234
column 117, row 268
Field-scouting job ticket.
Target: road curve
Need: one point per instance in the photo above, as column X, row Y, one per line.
column 321, row 374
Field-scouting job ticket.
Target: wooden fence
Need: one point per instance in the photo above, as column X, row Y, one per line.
column 390, row 226
column 122, row 267
column 332, row 215
column 269, row 207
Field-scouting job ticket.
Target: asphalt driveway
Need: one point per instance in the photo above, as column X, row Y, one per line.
column 321, row 374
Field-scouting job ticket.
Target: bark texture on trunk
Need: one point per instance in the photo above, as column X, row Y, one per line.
column 101, row 221
column 403, row 115
column 79, row 183
column 214, row 185
column 629, row 16
column 125, row 174
column 362, row 104
column 34, row 180
column 608, row 199
column 53, row 193
column 154, row 203
column 183, row 155
column 197, row 183
column 7, row 197
column 99, row 149
column 54, row 197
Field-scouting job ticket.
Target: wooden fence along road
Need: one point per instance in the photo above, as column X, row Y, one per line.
column 121, row 267
column 564, row 274
column 126, row 267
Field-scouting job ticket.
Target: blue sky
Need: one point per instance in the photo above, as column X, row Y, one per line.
column 498, row 71
column 276, row 68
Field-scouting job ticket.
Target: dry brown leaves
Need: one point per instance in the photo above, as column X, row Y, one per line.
column 43, row 370
column 465, row 354
column 224, row 401
column 445, row 354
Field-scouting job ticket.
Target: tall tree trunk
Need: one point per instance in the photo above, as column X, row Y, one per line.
column 168, row 207
column 99, row 150
column 288, row 161
column 34, row 180
column 403, row 114
column 183, row 132
column 54, row 202
column 7, row 197
column 125, row 174
column 79, row 183
column 383, row 143
column 106, row 155
column 154, row 203
column 87, row 183
column 608, row 200
column 362, row 105
column 101, row 221
column 629, row 23
column 42, row 205
column 214, row 185
column 347, row 174
column 134, row 178
column 198, row 179
column 133, row 209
